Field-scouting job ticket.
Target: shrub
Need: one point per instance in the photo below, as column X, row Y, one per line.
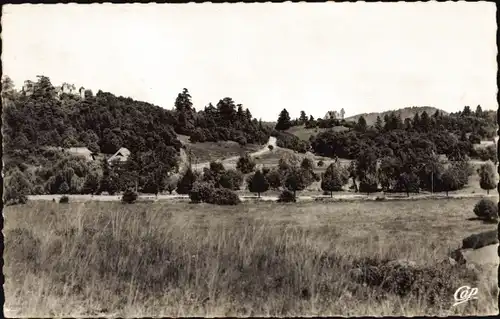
column 307, row 164
column 321, row 163
column 475, row 139
column 287, row 196
column 274, row 178
column 368, row 184
column 270, row 147
column 223, row 196
column 129, row 197
column 201, row 192
column 38, row 190
column 486, row 209
column 245, row 164
column 480, row 240
column 265, row 170
column 403, row 278
column 488, row 153
column 231, row 179
column 16, row 187
column 64, row 200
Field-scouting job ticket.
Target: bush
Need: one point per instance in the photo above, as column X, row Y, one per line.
column 475, row 139
column 223, row 196
column 321, row 163
column 480, row 240
column 201, row 192
column 270, row 147
column 245, row 164
column 129, row 197
column 274, row 178
column 16, row 188
column 231, row 179
column 368, row 184
column 64, row 199
column 486, row 209
column 287, row 196
column 403, row 278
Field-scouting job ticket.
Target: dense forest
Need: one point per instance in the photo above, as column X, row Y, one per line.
column 453, row 135
column 35, row 122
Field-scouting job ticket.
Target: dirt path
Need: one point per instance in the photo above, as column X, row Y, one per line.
column 263, row 150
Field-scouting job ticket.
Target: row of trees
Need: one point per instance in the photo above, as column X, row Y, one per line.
column 368, row 175
column 285, row 122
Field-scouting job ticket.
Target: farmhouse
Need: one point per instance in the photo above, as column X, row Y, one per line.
column 120, row 156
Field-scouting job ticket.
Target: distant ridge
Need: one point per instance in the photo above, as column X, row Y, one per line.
column 407, row 112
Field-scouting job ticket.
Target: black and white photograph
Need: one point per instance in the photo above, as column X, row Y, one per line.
column 250, row 159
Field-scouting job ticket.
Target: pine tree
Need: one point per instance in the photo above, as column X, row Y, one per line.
column 186, row 182
column 303, row 117
column 425, row 122
column 378, row 124
column 479, row 111
column 258, row 183
column 284, row 121
column 416, row 122
column 361, row 125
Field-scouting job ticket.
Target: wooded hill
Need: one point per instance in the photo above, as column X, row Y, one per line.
column 106, row 122
column 404, row 113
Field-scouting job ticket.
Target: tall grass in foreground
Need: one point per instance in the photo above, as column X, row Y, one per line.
column 202, row 260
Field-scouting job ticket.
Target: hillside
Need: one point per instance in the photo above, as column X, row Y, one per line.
column 41, row 116
column 304, row 133
column 408, row 112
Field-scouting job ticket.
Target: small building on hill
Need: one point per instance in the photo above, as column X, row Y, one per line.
column 120, row 156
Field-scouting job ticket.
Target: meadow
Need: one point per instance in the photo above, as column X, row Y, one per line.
column 262, row 259
column 208, row 151
column 305, row 133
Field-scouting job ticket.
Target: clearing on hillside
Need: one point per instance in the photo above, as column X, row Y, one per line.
column 211, row 151
column 305, row 133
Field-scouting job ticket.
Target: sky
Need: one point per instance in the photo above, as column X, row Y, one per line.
column 363, row 57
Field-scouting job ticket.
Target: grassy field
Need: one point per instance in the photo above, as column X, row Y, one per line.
column 209, row 151
column 265, row 259
column 304, row 133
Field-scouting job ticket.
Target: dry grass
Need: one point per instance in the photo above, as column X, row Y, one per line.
column 265, row 259
column 211, row 151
